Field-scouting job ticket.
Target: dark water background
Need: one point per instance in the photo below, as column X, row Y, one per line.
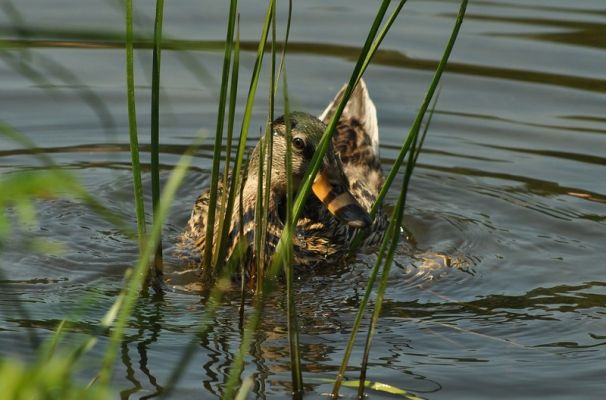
column 500, row 289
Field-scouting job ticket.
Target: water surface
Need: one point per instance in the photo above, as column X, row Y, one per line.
column 499, row 288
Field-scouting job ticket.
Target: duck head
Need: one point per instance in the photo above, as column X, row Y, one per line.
column 330, row 185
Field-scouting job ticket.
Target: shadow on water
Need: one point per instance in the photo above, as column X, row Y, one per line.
column 388, row 58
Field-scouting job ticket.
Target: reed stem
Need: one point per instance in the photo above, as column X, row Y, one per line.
column 158, row 268
column 132, row 125
column 210, row 224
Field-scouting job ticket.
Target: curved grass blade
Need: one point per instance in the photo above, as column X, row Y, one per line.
column 412, row 134
column 253, row 320
column 424, row 106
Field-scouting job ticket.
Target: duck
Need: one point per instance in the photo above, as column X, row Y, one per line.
column 343, row 192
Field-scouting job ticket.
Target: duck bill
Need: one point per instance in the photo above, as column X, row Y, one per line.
column 330, row 189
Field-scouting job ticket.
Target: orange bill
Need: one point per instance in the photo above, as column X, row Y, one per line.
column 337, row 199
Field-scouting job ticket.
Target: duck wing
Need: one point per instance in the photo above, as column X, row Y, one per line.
column 356, row 141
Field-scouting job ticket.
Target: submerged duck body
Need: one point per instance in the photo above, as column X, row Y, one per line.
column 344, row 190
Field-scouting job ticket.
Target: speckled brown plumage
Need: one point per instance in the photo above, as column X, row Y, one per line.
column 321, row 237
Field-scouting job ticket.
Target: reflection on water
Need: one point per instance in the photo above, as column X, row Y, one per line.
column 499, row 285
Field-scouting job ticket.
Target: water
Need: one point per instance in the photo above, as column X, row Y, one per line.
column 499, row 290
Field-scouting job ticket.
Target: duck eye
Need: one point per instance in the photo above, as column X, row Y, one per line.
column 298, row 143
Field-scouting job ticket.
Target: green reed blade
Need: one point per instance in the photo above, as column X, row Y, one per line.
column 379, row 39
column 423, row 109
column 237, row 364
column 411, row 136
column 132, row 125
column 392, row 237
column 316, row 161
column 210, row 223
column 224, row 211
column 373, row 49
column 253, row 320
column 359, row 316
column 226, row 203
column 266, row 167
column 285, row 44
column 136, row 276
column 287, row 260
column 417, row 122
column 260, row 224
column 236, row 178
column 157, row 270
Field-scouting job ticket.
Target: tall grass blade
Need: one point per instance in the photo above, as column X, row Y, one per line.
column 210, row 224
column 266, row 167
column 287, row 261
column 132, row 126
column 285, row 44
column 405, row 147
column 379, row 39
column 241, row 150
column 67, row 180
column 237, row 364
column 393, row 237
column 157, row 270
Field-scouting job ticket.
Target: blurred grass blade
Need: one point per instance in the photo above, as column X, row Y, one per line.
column 157, row 270
column 65, row 179
column 132, row 126
column 265, row 167
column 210, row 223
column 136, row 276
